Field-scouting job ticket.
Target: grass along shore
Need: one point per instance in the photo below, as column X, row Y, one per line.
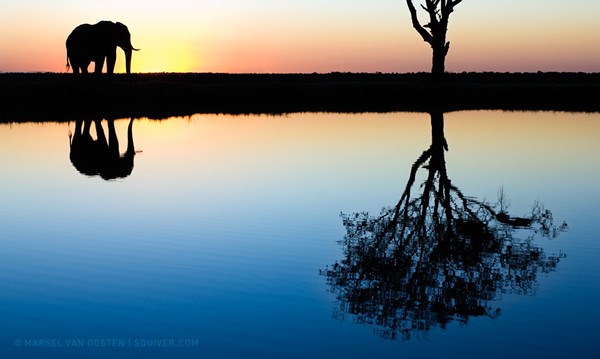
column 62, row 97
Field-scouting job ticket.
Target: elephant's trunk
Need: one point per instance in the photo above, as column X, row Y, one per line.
column 128, row 51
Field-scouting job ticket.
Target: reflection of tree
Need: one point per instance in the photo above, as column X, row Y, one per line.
column 438, row 257
column 101, row 156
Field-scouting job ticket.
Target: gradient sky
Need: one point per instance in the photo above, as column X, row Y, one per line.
column 284, row 36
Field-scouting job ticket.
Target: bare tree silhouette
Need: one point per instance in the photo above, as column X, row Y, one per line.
column 437, row 257
column 439, row 13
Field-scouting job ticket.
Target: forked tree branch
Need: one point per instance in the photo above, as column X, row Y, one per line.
column 432, row 11
column 416, row 24
column 448, row 7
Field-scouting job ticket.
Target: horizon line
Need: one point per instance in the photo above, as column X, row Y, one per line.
column 314, row 73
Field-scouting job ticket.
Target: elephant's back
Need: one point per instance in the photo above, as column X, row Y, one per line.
column 80, row 28
column 82, row 44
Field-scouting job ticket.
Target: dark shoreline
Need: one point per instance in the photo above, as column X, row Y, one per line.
column 60, row 97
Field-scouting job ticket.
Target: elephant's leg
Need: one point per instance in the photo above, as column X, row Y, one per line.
column 113, row 142
column 75, row 138
column 111, row 58
column 78, row 128
column 84, row 73
column 99, row 66
column 84, row 67
column 86, row 127
column 101, row 138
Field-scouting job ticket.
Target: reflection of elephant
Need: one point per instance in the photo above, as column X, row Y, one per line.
column 437, row 256
column 101, row 157
column 97, row 42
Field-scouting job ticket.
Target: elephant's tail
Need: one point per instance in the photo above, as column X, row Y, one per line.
column 68, row 65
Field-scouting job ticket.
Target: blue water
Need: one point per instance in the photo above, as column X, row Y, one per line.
column 215, row 245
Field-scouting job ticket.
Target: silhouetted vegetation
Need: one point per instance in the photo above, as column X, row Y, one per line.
column 59, row 97
column 436, row 257
column 439, row 13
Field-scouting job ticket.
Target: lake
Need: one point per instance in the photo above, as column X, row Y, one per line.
column 406, row 235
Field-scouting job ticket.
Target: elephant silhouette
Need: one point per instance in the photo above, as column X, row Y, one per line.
column 101, row 157
column 96, row 43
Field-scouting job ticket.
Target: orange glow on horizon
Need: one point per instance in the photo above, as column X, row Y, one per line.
column 175, row 58
column 309, row 36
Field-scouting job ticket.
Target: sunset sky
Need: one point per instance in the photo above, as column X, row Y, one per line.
column 293, row 36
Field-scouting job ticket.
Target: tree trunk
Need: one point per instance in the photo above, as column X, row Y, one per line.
column 438, row 27
column 438, row 63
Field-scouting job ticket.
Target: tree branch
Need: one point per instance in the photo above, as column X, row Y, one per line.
column 433, row 12
column 415, row 21
column 448, row 7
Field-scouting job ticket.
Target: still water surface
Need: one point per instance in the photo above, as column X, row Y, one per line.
column 222, row 236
